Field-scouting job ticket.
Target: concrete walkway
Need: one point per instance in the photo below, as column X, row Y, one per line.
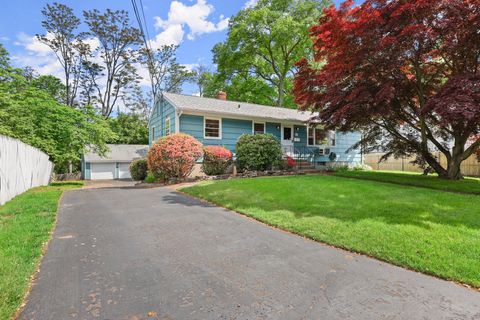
column 155, row 254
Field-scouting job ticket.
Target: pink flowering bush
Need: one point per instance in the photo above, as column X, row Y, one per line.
column 216, row 160
column 174, row 156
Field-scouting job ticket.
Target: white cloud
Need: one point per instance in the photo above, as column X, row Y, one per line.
column 195, row 17
column 37, row 55
column 250, row 3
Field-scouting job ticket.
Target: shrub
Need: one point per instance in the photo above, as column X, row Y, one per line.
column 150, row 178
column 174, row 156
column 216, row 160
column 258, row 152
column 138, row 169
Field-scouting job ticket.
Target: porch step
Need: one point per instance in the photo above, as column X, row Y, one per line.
column 303, row 164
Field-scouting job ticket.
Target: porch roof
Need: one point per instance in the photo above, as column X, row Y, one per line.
column 196, row 104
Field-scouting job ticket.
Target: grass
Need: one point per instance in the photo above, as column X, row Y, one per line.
column 426, row 230
column 25, row 225
column 467, row 185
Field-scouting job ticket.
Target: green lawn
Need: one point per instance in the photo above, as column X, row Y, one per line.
column 430, row 231
column 25, row 225
column 467, row 185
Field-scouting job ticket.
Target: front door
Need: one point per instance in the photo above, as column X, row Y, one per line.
column 287, row 140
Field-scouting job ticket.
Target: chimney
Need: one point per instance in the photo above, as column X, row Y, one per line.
column 222, row 95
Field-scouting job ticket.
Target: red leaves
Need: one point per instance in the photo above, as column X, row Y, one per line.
column 458, row 102
column 389, row 58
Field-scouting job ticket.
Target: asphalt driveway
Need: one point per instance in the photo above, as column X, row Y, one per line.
column 155, row 254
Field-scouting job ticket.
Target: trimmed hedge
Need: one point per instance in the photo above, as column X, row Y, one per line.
column 174, row 156
column 138, row 169
column 216, row 160
column 258, row 151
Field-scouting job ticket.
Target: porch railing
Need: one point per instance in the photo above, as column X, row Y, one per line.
column 304, row 156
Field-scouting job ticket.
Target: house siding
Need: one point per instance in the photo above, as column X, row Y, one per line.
column 232, row 129
column 162, row 110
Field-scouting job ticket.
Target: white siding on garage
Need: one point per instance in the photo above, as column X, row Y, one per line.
column 124, row 171
column 103, row 171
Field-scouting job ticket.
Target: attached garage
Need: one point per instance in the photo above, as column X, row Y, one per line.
column 114, row 165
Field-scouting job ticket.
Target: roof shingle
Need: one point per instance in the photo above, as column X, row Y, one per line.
column 234, row 108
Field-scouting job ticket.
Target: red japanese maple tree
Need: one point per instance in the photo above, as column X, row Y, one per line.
column 406, row 73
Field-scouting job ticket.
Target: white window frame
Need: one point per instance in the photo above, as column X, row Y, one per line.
column 167, row 126
column 219, row 128
column 259, row 122
column 332, row 132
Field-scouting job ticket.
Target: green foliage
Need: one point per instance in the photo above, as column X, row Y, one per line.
column 138, row 169
column 425, row 230
column 33, row 116
column 266, row 41
column 150, row 178
column 258, row 152
column 25, row 225
column 216, row 160
column 130, row 128
column 52, row 85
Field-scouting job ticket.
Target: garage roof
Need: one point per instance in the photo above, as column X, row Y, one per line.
column 119, row 153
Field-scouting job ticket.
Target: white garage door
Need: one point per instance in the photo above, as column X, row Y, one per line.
column 124, row 171
column 103, row 171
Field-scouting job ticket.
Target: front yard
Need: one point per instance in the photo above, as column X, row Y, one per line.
column 431, row 231
column 25, row 225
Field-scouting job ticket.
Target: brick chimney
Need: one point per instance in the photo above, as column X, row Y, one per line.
column 222, row 95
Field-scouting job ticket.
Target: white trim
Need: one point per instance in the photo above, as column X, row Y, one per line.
column 292, row 133
column 167, row 119
column 177, row 120
column 259, row 122
column 212, row 115
column 219, row 128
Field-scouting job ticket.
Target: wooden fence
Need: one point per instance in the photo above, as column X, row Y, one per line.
column 469, row 167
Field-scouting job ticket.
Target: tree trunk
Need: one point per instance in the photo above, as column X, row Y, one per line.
column 281, row 92
column 453, row 171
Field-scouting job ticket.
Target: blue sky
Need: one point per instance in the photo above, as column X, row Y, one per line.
column 196, row 25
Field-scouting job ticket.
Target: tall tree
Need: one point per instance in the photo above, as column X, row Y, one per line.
column 60, row 23
column 32, row 115
column 201, row 77
column 130, row 128
column 166, row 74
column 106, row 81
column 265, row 41
column 407, row 73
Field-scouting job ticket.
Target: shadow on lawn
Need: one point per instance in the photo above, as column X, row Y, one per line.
column 407, row 207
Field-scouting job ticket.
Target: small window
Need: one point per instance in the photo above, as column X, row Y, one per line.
column 258, row 128
column 212, row 129
column 167, row 126
column 153, row 133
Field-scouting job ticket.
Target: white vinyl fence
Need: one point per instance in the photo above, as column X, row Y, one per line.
column 21, row 167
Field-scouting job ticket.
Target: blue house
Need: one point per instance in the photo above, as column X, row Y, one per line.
column 222, row 122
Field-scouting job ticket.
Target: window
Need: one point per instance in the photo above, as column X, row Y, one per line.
column 212, row 128
column 153, row 133
column 258, row 128
column 167, row 126
column 320, row 137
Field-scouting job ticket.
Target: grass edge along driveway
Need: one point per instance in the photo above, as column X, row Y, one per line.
column 434, row 232
column 26, row 223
